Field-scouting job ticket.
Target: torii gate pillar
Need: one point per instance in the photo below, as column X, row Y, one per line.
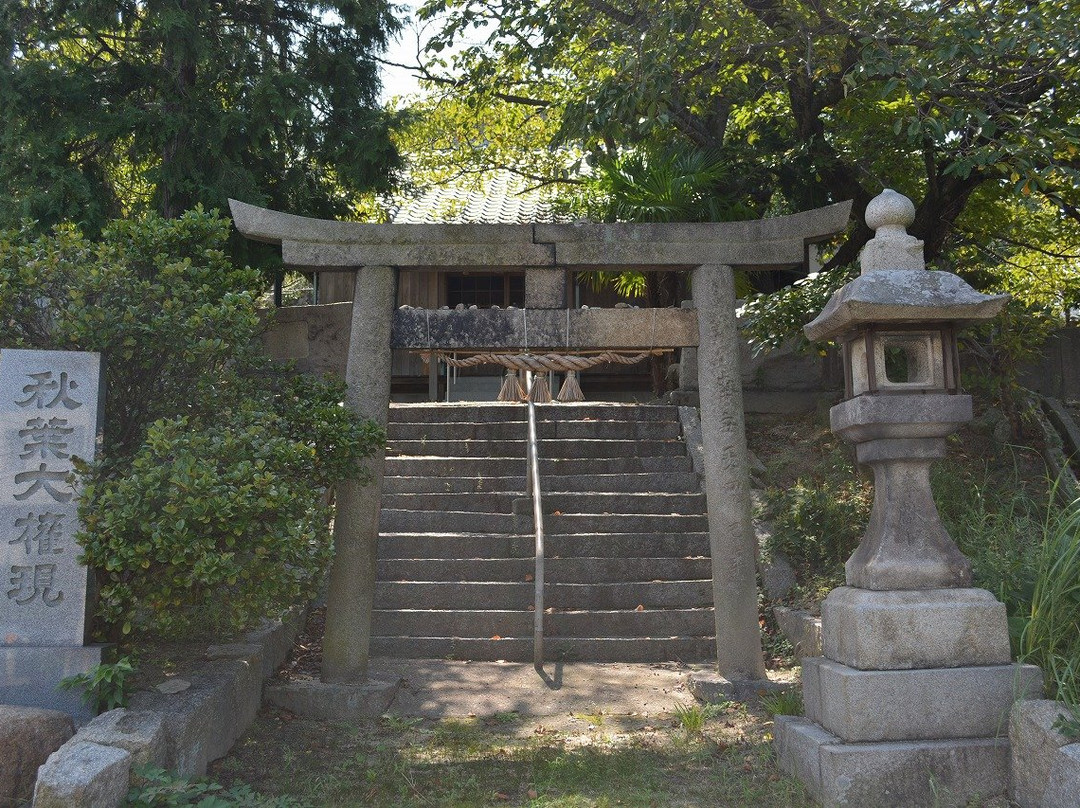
column 351, row 596
column 732, row 543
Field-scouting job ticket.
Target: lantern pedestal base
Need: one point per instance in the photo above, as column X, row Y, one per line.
column 910, row 774
column 909, row 706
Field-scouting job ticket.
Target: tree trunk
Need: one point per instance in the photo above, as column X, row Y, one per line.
column 178, row 62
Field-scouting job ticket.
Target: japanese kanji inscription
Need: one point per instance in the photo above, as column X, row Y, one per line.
column 49, row 415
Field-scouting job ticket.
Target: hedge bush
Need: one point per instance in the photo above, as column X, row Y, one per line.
column 207, row 506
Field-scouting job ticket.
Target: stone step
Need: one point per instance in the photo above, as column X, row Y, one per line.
column 646, row 502
column 550, row 430
column 672, row 483
column 455, row 561
column 651, row 502
column 549, row 467
column 497, row 502
column 519, row 596
column 557, row 570
column 422, row 484
column 594, row 545
column 484, row 624
column 520, row 649
column 474, row 412
column 569, row 448
column 401, row 521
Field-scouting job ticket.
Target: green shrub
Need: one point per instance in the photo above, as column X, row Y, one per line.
column 213, row 525
column 173, row 318
column 817, row 524
column 206, row 509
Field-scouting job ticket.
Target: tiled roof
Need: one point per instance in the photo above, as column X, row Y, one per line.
column 504, row 199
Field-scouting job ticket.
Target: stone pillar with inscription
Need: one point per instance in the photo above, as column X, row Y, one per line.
column 50, row 414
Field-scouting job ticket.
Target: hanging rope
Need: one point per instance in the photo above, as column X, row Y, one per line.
column 541, row 365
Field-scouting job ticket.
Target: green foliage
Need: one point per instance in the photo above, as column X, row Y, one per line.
column 159, row 299
column 1068, row 725
column 993, row 517
column 105, row 686
column 784, row 702
column 692, row 717
column 818, row 522
column 112, row 107
column 156, row 788
column 1049, row 628
column 207, row 508
column 670, row 184
column 777, row 318
column 216, row 525
column 811, row 102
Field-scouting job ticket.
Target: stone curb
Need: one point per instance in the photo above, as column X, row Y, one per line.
column 1044, row 764
column 181, row 732
column 710, row 687
column 327, row 701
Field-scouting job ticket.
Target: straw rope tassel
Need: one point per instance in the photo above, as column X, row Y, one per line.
column 541, row 390
column 571, row 390
column 511, row 389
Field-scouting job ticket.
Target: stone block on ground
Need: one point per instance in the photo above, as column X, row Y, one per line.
column 1034, row 744
column 141, row 733
column 323, row 701
column 83, row 775
column 915, row 704
column 203, row 721
column 1063, row 789
column 895, row 774
column 801, row 629
column 935, row 628
column 712, row 687
column 28, row 736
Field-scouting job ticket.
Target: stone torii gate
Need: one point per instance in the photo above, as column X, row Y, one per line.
column 548, row 253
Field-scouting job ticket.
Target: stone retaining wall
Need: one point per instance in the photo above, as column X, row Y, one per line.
column 180, row 732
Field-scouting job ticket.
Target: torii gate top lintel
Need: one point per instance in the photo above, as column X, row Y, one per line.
column 325, row 245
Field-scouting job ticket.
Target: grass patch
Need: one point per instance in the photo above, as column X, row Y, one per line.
column 784, row 702
column 1050, row 624
column 727, row 761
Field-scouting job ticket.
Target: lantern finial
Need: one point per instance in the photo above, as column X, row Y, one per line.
column 889, row 214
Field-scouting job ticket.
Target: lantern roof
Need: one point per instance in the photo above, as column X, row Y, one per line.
column 895, row 287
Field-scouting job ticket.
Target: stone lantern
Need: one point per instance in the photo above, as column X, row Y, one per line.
column 896, row 324
column 909, row 700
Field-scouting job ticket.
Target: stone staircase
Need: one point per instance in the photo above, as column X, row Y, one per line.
column 628, row 574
